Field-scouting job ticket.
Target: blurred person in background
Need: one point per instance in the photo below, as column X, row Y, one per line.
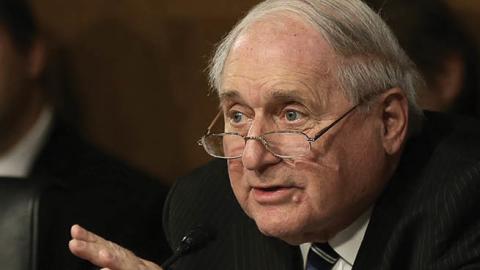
column 35, row 142
column 445, row 54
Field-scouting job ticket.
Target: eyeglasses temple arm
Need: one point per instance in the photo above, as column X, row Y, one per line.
column 325, row 129
column 213, row 122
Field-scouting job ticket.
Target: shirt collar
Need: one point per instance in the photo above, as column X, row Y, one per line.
column 347, row 242
column 19, row 159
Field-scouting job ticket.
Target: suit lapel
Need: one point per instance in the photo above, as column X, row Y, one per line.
column 253, row 250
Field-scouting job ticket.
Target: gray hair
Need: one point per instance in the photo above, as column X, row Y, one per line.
column 370, row 58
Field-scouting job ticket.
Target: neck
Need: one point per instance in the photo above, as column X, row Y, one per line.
column 19, row 120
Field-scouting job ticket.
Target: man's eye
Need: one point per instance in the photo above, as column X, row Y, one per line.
column 292, row 115
column 237, row 117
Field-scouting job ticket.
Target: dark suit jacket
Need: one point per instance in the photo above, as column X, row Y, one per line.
column 428, row 217
column 102, row 194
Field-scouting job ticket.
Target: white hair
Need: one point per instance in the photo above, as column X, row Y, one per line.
column 370, row 58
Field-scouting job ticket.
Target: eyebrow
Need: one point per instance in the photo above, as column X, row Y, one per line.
column 228, row 95
column 288, row 96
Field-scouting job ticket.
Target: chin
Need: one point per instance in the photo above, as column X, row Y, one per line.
column 288, row 235
column 286, row 227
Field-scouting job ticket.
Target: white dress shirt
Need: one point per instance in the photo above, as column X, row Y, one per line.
column 18, row 161
column 346, row 243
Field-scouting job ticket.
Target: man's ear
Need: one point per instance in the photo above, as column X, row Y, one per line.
column 394, row 111
column 37, row 57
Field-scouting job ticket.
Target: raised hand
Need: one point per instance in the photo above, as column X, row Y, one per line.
column 104, row 253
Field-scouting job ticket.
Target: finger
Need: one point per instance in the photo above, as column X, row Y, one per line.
column 104, row 253
column 123, row 259
column 109, row 255
column 79, row 233
column 86, row 250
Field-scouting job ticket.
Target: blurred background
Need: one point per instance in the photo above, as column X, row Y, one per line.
column 135, row 72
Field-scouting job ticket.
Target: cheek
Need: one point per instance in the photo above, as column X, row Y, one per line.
column 238, row 183
column 339, row 175
column 360, row 167
column 323, row 181
column 350, row 154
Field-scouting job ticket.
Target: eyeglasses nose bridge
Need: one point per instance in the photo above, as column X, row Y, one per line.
column 257, row 138
column 260, row 139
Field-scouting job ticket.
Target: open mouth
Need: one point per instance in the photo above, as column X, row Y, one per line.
column 272, row 189
column 272, row 194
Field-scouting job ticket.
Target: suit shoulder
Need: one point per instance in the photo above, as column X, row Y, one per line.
column 69, row 157
column 453, row 134
column 431, row 201
column 211, row 175
column 203, row 197
column 444, row 157
column 203, row 185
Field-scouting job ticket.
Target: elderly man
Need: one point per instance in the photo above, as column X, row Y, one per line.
column 325, row 149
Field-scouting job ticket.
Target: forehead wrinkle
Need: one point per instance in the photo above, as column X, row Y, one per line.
column 294, row 95
column 276, row 46
column 311, row 87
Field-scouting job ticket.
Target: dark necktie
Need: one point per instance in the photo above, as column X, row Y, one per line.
column 321, row 257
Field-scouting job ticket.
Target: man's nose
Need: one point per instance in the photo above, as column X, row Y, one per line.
column 255, row 155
